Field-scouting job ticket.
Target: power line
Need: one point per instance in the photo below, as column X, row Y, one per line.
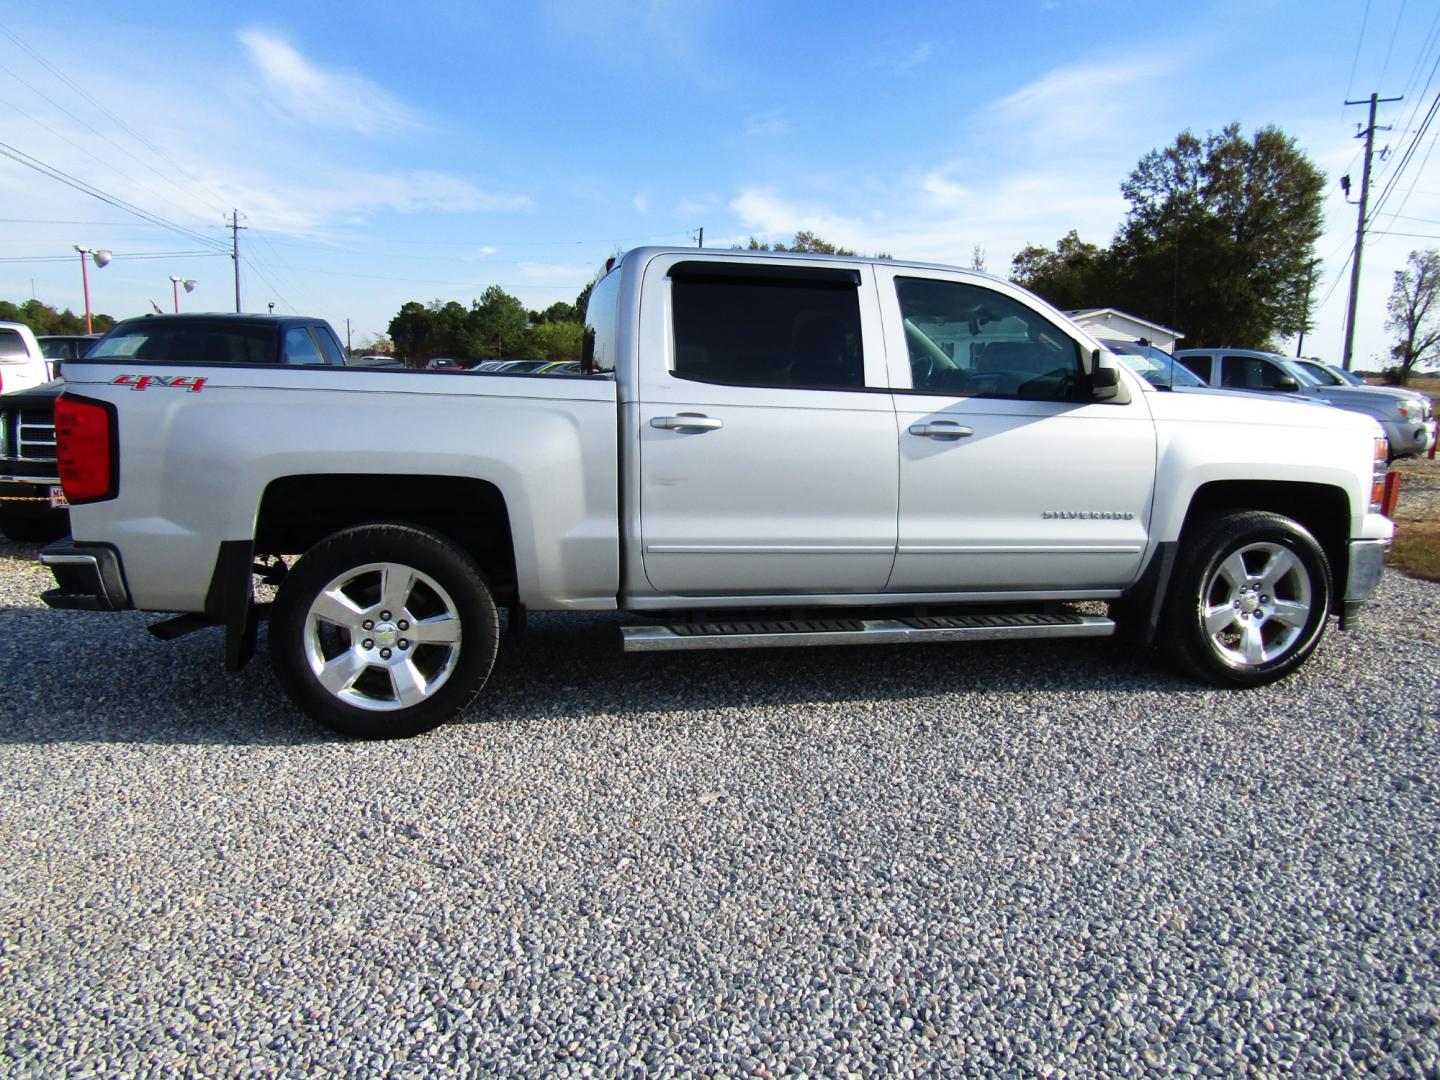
column 1359, row 40
column 1385, row 67
column 31, row 162
column 86, row 150
column 82, row 92
column 69, row 221
column 1405, row 159
column 206, row 254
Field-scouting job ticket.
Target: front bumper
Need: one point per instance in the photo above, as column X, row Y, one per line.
column 88, row 577
column 1362, row 578
column 1406, row 439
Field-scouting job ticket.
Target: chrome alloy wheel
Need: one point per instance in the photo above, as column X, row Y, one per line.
column 382, row 636
column 1256, row 604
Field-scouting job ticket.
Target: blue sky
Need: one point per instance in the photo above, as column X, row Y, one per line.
column 380, row 154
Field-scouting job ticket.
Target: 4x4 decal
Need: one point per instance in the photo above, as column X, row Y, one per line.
column 179, row 382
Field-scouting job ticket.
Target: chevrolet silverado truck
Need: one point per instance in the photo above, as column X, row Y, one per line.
column 759, row 450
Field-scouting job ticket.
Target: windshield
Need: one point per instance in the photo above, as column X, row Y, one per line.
column 1320, row 373
column 189, row 342
column 1153, row 365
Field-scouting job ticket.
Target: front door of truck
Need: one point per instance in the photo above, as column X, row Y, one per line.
column 1009, row 480
column 767, row 456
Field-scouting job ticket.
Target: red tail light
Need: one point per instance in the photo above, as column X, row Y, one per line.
column 84, row 436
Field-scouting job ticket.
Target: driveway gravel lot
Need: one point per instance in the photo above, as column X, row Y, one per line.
column 1017, row 859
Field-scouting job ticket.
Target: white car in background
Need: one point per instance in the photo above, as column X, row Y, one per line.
column 22, row 363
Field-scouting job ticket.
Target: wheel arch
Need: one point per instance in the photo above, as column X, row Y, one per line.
column 1322, row 509
column 296, row 512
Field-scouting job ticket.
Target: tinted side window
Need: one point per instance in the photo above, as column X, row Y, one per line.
column 328, row 346
column 1200, row 365
column 11, row 343
column 299, row 348
column 1250, row 373
column 965, row 339
column 759, row 331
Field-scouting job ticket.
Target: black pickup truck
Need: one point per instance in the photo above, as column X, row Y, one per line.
column 32, row 507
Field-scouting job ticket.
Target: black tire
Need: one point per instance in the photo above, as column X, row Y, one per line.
column 33, row 530
column 312, row 633
column 1249, row 600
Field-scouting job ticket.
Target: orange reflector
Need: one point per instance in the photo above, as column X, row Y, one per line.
column 1390, row 494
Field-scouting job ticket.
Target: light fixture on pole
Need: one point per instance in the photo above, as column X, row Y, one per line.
column 102, row 258
column 175, row 282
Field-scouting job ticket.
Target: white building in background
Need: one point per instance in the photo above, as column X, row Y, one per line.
column 1110, row 323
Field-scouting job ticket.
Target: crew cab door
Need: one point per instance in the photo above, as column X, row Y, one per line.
column 767, row 456
column 1010, row 479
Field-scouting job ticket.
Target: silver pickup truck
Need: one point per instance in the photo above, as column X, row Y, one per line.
column 760, row 450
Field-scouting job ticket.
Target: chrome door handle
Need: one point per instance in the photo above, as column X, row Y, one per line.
column 687, row 422
column 941, row 429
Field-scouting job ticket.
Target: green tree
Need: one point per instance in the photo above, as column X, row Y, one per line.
column 1220, row 235
column 41, row 318
column 559, row 311
column 553, row 341
column 412, row 331
column 496, row 324
column 1415, row 315
column 1075, row 274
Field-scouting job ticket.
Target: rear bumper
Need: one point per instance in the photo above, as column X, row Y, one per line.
column 88, row 577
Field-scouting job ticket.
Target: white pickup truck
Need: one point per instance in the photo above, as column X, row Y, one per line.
column 761, row 450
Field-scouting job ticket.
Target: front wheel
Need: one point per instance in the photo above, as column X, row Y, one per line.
column 1249, row 600
column 383, row 631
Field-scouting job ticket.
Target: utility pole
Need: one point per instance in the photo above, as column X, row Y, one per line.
column 1360, row 223
column 701, row 241
column 347, row 336
column 235, row 228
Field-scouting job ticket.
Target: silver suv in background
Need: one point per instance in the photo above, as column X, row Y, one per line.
column 1406, row 419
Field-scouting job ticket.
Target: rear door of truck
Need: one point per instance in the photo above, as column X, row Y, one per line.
column 766, row 429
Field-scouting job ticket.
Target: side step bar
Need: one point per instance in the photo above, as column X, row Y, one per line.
column 780, row 633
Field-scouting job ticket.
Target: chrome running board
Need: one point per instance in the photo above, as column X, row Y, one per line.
column 782, row 633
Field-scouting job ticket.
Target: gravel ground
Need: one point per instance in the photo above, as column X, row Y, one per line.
column 1017, row 859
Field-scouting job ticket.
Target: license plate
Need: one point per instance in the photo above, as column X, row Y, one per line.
column 57, row 497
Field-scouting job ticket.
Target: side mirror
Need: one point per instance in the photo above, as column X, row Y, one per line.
column 1287, row 383
column 1104, row 383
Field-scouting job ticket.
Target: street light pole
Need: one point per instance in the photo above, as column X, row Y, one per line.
column 102, row 258
column 175, row 282
column 85, row 277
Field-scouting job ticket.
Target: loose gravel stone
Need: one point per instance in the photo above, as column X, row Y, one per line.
column 1021, row 859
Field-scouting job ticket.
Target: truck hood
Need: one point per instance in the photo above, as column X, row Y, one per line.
column 44, row 394
column 1369, row 399
column 1213, row 406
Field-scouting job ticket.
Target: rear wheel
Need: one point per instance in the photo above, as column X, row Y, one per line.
column 1249, row 600
column 383, row 631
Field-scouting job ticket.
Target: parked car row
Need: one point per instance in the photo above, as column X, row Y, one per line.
column 1405, row 415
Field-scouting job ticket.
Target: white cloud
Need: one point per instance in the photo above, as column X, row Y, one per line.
column 916, row 57
column 556, row 273
column 771, row 216
column 767, row 125
column 303, row 91
column 641, row 203
column 1084, row 103
column 697, row 204
column 944, row 189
